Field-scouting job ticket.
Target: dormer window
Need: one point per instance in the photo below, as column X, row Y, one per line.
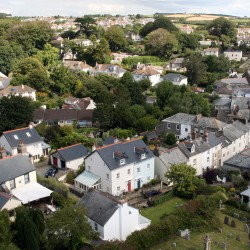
column 143, row 156
column 122, row 161
column 16, row 137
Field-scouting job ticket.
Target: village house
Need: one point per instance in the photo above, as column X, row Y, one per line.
column 112, row 218
column 77, row 65
column 210, row 52
column 83, row 118
column 25, row 140
column 18, row 179
column 176, row 64
column 110, row 69
column 70, row 157
column 72, row 102
column 233, row 55
column 176, row 79
column 21, row 90
column 121, row 167
column 147, row 72
column 4, row 81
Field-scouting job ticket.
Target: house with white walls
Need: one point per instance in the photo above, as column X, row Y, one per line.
column 110, row 69
column 121, row 167
column 21, row 90
column 147, row 72
column 233, row 55
column 210, row 52
column 25, row 140
column 176, row 79
column 70, row 157
column 113, row 219
column 18, row 178
column 8, row 202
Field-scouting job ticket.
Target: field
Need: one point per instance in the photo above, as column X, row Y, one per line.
column 194, row 17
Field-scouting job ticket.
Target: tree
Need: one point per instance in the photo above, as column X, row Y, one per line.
column 16, row 112
column 27, row 234
column 196, row 68
column 116, row 37
column 184, row 179
column 222, row 26
column 68, row 228
column 170, row 139
column 146, row 123
column 210, row 175
column 160, row 43
column 87, row 25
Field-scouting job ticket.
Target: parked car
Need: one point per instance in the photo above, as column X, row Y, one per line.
column 51, row 172
column 151, row 193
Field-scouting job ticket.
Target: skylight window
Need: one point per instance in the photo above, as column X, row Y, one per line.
column 28, row 134
column 16, row 137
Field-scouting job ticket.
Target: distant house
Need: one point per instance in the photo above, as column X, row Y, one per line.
column 110, row 69
column 70, row 157
column 18, row 178
column 113, row 219
column 186, row 29
column 147, row 72
column 21, row 90
column 176, row 65
column 176, row 79
column 210, row 52
column 85, row 103
column 77, row 65
column 183, row 125
column 233, row 55
column 63, row 117
column 25, row 140
column 121, row 167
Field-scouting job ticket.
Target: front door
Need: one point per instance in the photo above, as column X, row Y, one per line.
column 139, row 183
column 55, row 161
column 129, row 186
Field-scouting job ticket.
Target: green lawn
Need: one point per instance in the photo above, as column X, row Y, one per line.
column 196, row 239
column 154, row 213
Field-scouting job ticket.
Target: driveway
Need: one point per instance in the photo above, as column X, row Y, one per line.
column 41, row 171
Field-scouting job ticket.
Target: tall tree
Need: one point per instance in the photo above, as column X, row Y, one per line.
column 116, row 37
column 68, row 228
column 161, row 43
column 87, row 25
column 15, row 112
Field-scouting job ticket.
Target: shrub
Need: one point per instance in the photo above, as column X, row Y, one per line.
column 70, row 177
column 204, row 188
column 60, row 201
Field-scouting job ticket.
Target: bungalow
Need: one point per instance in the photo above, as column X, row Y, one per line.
column 21, row 90
column 176, row 79
column 110, row 69
column 121, row 167
column 85, row 103
column 63, row 117
column 25, row 140
column 18, row 178
column 70, row 157
column 210, row 52
column 113, row 219
column 77, row 65
column 147, row 72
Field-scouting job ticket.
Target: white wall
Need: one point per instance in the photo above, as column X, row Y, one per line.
column 19, row 181
column 12, row 204
column 184, row 134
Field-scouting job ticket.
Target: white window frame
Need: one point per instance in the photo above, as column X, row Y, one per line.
column 177, row 126
column 12, row 184
column 26, row 178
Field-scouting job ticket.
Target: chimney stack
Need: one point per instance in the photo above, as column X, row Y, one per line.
column 21, row 148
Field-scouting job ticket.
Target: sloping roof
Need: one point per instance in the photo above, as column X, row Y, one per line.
column 242, row 102
column 76, row 65
column 87, row 178
column 180, row 118
column 178, row 60
column 110, row 140
column 26, row 135
column 148, row 71
column 174, row 77
column 72, row 152
column 222, row 102
column 234, row 131
column 4, row 198
column 242, row 80
column 14, row 166
column 126, row 150
column 17, row 89
column 100, row 206
column 62, row 115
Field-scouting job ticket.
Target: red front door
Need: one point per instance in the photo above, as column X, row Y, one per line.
column 129, row 186
column 55, row 161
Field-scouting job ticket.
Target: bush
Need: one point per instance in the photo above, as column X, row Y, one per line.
column 204, row 188
column 60, row 201
column 162, row 198
column 70, row 177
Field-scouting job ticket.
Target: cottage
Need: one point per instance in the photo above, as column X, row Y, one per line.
column 210, row 52
column 70, row 157
column 77, row 65
column 233, row 55
column 122, row 166
column 176, row 79
column 113, row 219
column 110, row 69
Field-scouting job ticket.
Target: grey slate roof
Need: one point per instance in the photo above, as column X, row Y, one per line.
column 127, row 149
column 180, row 118
column 173, row 77
column 241, row 160
column 14, row 166
column 71, row 153
column 233, row 131
column 109, row 140
column 99, row 206
column 222, row 102
column 242, row 102
column 26, row 135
